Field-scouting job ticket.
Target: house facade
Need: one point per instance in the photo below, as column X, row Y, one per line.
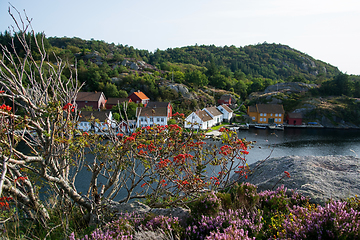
column 266, row 113
column 87, row 121
column 96, row 100
column 226, row 112
column 150, row 116
column 227, row 99
column 294, row 118
column 217, row 116
column 139, row 97
column 161, row 104
column 199, row 120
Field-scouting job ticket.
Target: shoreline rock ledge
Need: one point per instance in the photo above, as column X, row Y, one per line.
column 319, row 177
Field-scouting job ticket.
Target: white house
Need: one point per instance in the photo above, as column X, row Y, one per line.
column 87, row 121
column 217, row 116
column 199, row 120
column 147, row 116
column 226, row 111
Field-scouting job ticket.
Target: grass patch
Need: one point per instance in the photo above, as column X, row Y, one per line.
column 219, row 126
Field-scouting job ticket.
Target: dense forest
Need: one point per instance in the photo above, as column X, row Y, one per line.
column 237, row 70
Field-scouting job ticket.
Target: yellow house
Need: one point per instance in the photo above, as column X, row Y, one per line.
column 267, row 113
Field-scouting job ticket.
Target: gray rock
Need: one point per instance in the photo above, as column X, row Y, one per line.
column 130, row 207
column 180, row 88
column 319, row 177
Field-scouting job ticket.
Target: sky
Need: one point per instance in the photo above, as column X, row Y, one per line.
column 327, row 30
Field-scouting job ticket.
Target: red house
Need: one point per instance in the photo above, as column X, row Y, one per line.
column 115, row 101
column 139, row 97
column 127, row 126
column 294, row 119
column 96, row 100
column 226, row 99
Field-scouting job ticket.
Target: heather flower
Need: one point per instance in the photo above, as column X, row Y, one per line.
column 238, row 219
column 333, row 221
column 229, row 233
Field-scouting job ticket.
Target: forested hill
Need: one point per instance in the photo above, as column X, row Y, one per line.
column 274, row 61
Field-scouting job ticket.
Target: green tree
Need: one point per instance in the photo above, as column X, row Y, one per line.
column 110, row 90
column 197, row 78
column 343, row 84
column 123, row 94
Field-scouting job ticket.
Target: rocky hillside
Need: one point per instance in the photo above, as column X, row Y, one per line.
column 329, row 111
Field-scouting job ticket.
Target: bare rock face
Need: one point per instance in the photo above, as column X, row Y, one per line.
column 319, row 177
column 180, row 88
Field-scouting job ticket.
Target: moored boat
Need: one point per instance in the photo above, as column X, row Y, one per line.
column 260, row 126
column 276, row 127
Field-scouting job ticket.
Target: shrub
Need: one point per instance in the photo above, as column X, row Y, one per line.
column 207, row 205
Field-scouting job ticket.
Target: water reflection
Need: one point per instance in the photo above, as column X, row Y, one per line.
column 302, row 142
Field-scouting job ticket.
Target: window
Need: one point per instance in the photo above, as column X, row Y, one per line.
column 253, row 118
column 264, row 119
column 162, row 119
column 260, row 119
column 193, row 117
column 264, row 114
column 279, row 120
column 151, row 119
column 275, row 119
column 279, row 114
column 270, row 114
column 276, row 114
column 261, row 114
column 158, row 119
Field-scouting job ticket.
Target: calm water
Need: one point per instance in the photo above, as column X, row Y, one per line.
column 302, row 142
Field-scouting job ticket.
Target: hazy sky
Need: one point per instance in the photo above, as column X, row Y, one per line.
column 328, row 30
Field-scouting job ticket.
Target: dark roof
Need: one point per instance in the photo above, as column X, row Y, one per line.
column 87, row 115
column 88, row 96
column 213, row 111
column 269, row 108
column 294, row 115
column 149, row 112
column 117, row 100
column 224, row 106
column 252, row 109
column 157, row 104
column 204, row 116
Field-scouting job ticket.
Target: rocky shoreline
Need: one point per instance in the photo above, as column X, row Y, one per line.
column 319, row 177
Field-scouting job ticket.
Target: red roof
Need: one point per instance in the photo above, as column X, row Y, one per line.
column 141, row 95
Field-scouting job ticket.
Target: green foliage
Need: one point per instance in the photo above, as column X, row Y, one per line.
column 242, row 196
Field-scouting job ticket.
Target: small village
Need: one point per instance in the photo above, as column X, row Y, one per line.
column 149, row 113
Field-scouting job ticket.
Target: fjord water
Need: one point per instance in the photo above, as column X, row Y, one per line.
column 301, row 142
